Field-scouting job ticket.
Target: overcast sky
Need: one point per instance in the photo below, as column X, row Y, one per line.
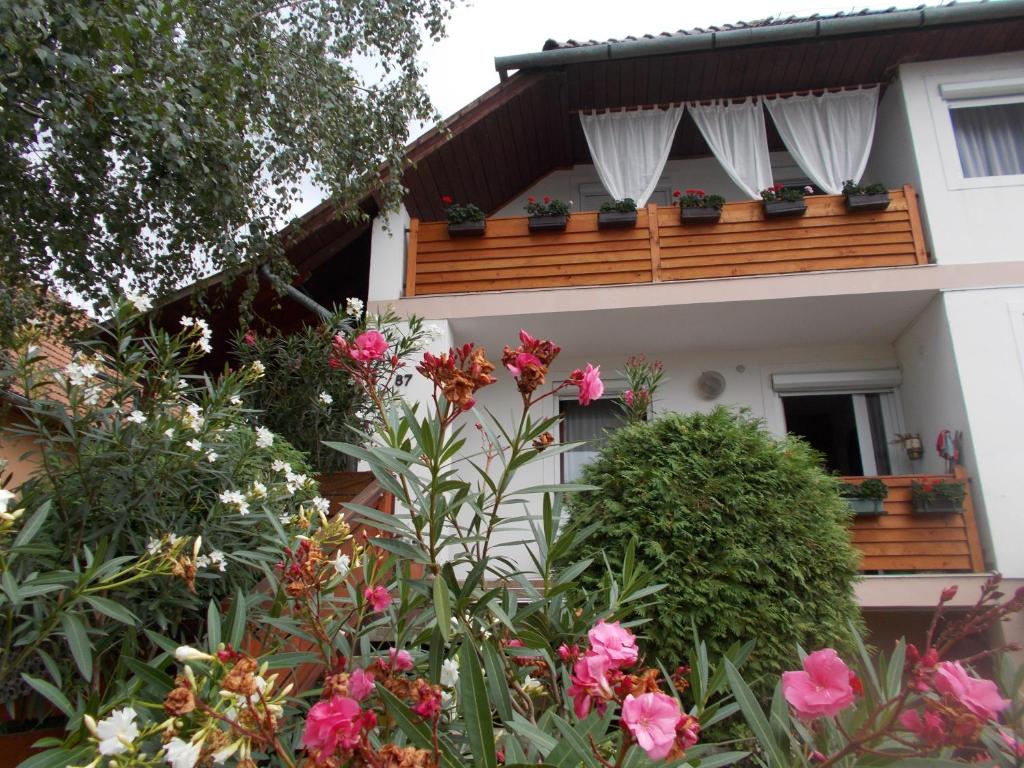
column 461, row 67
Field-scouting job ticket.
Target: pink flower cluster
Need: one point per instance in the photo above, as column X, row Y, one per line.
column 653, row 719
column 367, row 346
column 589, row 382
column 823, row 689
column 337, row 723
column 378, row 597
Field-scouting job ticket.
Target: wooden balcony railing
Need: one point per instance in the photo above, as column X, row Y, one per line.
column 902, row 540
column 508, row 257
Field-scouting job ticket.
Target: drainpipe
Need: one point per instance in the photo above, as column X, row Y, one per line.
column 296, row 295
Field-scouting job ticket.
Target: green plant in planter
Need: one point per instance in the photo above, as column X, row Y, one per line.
column 547, row 207
column 461, row 213
column 873, row 489
column 619, row 206
column 780, row 193
column 942, row 494
column 696, row 198
column 850, row 188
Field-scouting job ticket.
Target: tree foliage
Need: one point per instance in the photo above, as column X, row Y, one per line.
column 747, row 531
column 148, row 141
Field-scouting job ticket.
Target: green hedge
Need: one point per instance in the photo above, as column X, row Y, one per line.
column 748, row 532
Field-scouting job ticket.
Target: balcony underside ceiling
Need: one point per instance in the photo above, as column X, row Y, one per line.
column 526, row 127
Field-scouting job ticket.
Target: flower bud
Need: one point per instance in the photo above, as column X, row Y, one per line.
column 188, row 653
column 949, row 593
column 90, row 724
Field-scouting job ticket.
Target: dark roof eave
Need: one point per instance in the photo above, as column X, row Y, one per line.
column 759, row 35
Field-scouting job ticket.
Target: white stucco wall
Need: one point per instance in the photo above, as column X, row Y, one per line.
column 987, row 331
column 387, row 256
column 974, row 221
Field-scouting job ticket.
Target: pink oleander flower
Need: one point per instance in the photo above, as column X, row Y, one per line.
column 627, row 396
column 378, row 597
column 687, row 731
column 930, row 729
column 980, row 696
column 250, row 338
column 618, row 644
column 589, row 382
column 332, row 724
column 360, row 684
column 568, row 653
column 370, row 345
column 401, row 661
column 521, row 361
column 590, row 682
column 652, row 719
column 822, row 689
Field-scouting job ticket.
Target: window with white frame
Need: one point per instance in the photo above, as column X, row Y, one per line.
column 849, row 417
column 984, row 129
column 593, row 195
column 588, row 425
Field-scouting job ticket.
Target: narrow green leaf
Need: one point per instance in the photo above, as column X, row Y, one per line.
column 496, row 681
column 894, row 673
column 160, row 681
column 538, row 738
column 213, row 625
column 580, row 749
column 78, row 642
column 236, row 620
column 722, row 758
column 413, row 727
column 32, row 526
column 51, row 693
column 442, row 608
column 113, row 610
column 58, row 758
column 475, row 708
column 754, row 716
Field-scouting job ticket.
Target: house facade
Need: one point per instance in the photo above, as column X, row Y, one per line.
column 854, row 329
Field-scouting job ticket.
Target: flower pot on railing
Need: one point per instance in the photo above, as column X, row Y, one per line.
column 616, row 219
column 877, row 202
column 866, row 507
column 699, row 215
column 467, row 229
column 938, row 507
column 698, row 207
column 940, row 497
column 776, row 209
column 548, row 223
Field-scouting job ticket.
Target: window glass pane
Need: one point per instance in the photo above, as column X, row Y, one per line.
column 586, row 423
column 878, row 437
column 828, row 423
column 990, row 140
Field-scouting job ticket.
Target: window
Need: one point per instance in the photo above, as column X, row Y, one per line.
column 849, row 430
column 593, row 195
column 589, row 425
column 989, row 139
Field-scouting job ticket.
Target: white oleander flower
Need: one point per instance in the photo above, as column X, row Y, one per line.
column 325, row 398
column 195, row 445
column 212, row 456
column 235, row 499
column 258, row 368
column 433, row 331
column 258, row 490
column 449, row 673
column 169, row 432
column 342, row 564
column 193, row 417
column 79, row 373
column 140, row 302
column 138, row 417
column 181, row 754
column 281, row 466
column 213, row 560
column 320, row 504
column 180, row 384
column 6, row 497
column 264, row 437
column 221, row 755
column 286, row 519
column 354, row 307
column 236, row 400
column 154, row 545
column 117, row 732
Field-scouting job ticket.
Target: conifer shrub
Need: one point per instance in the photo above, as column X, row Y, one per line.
column 747, row 531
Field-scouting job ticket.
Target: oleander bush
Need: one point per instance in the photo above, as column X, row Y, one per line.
column 747, row 531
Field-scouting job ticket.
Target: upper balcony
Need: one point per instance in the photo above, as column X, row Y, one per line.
column 660, row 248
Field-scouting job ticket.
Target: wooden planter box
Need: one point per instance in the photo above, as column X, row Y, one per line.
column 548, row 223
column 776, row 209
column 616, row 219
column 866, row 507
column 699, row 215
column 877, row 202
column 938, row 507
column 467, row 229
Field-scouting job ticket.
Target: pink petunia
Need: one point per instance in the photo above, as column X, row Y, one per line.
column 618, row 644
column 378, row 597
column 401, row 661
column 589, row 382
column 822, row 689
column 980, row 696
column 360, row 684
column 332, row 724
column 370, row 345
column 652, row 719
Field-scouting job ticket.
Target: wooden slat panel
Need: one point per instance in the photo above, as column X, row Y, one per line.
column 901, row 540
column 659, row 247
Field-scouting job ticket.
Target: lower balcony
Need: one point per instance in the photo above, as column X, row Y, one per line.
column 902, row 540
column 507, row 256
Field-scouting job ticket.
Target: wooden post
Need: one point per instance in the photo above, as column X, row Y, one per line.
column 970, row 523
column 916, row 231
column 410, row 257
column 655, row 242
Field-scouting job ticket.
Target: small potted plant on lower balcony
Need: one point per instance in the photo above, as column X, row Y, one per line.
column 695, row 207
column 464, row 219
column 618, row 214
column 941, row 497
column 549, row 215
column 866, row 498
column 867, row 197
column 780, row 200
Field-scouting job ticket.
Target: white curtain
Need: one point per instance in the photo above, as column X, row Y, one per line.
column 736, row 135
column 630, row 149
column 829, row 135
column 990, row 139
